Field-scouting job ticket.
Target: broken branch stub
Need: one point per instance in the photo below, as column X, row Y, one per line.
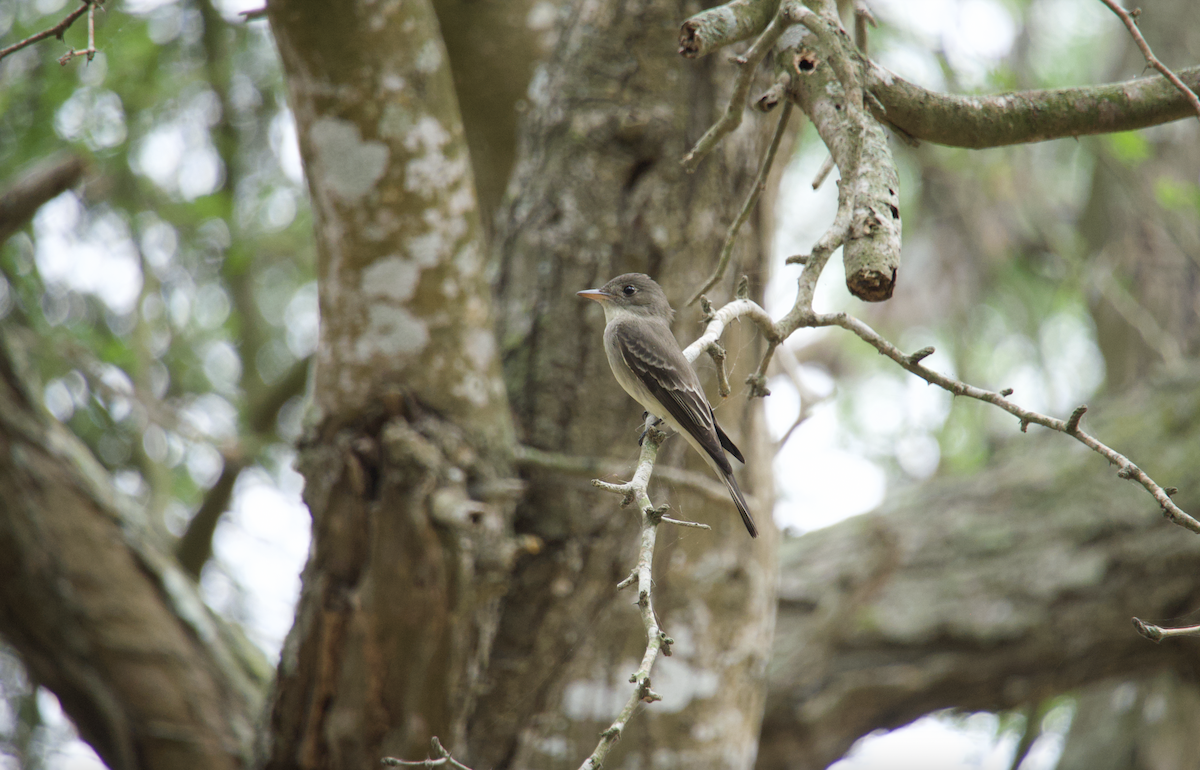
column 717, row 27
column 858, row 145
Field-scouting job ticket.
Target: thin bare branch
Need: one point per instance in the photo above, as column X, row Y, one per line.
column 656, row 640
column 56, row 31
column 760, row 184
column 591, row 466
column 1158, row 633
column 732, row 118
column 90, row 51
column 1125, row 468
column 721, row 318
column 444, row 758
column 1130, row 22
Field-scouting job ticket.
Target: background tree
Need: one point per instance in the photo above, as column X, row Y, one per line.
column 443, row 596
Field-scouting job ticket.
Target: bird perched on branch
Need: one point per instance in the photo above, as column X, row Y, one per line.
column 649, row 365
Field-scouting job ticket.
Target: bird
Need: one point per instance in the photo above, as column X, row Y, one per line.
column 649, row 365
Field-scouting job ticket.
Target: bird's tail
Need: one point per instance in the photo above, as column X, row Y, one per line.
column 736, row 493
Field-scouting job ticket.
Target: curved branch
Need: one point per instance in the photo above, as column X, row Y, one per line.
column 977, row 122
column 1129, row 20
column 1126, row 469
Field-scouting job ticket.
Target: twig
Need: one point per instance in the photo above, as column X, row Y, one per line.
column 56, row 31
column 683, row 523
column 590, row 466
column 444, row 758
column 737, row 103
column 90, row 51
column 1126, row 469
column 862, row 18
column 760, row 183
column 717, row 354
column 1130, row 23
column 823, row 172
column 656, row 640
column 1158, row 633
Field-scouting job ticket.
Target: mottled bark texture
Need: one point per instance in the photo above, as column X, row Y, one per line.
column 102, row 616
column 821, row 72
column 407, row 458
column 597, row 191
column 989, row 592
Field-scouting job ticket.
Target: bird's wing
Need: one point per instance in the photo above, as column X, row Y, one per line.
column 655, row 359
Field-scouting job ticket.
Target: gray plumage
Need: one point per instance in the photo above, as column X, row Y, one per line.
column 649, row 365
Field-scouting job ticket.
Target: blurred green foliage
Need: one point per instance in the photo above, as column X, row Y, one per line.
column 167, row 303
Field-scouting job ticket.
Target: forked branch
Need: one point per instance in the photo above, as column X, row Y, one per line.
column 656, row 640
column 1129, row 19
column 88, row 7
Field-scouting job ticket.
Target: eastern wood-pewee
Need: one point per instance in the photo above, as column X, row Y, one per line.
column 649, row 365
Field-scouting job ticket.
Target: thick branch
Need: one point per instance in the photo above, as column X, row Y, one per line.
column 826, row 82
column 976, row 122
column 1130, row 23
column 100, row 613
column 724, row 25
column 46, row 180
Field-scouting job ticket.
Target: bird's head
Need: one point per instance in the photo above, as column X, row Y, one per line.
column 636, row 293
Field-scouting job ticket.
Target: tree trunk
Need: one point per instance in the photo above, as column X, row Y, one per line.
column 407, row 459
column 597, row 191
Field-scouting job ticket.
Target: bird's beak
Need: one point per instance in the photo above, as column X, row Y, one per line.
column 596, row 294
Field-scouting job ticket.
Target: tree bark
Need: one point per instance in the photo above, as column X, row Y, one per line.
column 407, row 460
column 598, row 191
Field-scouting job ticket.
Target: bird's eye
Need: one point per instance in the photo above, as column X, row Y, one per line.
column 629, row 291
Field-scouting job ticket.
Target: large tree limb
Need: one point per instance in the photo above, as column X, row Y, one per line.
column 23, row 197
column 987, row 592
column 101, row 615
column 977, row 122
